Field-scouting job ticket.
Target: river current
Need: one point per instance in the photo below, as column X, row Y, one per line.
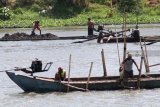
column 21, row 53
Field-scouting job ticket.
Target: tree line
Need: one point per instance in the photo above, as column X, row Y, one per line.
column 129, row 5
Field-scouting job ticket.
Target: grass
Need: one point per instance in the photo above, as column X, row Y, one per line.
column 99, row 13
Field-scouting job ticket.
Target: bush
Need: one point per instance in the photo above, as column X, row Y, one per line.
column 99, row 1
column 4, row 13
column 134, row 6
column 25, row 2
column 36, row 7
column 63, row 9
column 18, row 11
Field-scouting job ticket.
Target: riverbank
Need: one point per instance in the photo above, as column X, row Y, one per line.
column 99, row 13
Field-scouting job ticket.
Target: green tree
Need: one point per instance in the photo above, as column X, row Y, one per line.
column 133, row 6
column 82, row 3
column 3, row 3
column 4, row 13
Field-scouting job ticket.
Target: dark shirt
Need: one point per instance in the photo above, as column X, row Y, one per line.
column 128, row 64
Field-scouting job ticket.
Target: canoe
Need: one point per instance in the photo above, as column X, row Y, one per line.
column 43, row 84
column 130, row 39
column 47, row 36
column 120, row 39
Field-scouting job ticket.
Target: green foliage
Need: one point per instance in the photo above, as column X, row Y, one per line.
column 2, row 3
column 81, row 3
column 18, row 11
column 25, row 2
column 133, row 6
column 62, row 13
column 4, row 13
column 36, row 7
column 63, row 9
column 152, row 10
column 100, row 1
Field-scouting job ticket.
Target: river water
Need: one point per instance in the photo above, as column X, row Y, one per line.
column 21, row 53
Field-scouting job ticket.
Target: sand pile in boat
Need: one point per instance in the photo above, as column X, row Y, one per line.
column 24, row 36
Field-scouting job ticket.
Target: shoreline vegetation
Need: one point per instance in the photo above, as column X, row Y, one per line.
column 75, row 16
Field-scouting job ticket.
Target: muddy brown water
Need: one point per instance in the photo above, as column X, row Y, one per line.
column 21, row 53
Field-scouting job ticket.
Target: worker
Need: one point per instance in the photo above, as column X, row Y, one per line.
column 36, row 25
column 60, row 75
column 126, row 66
column 90, row 27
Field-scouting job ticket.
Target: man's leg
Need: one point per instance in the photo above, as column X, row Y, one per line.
column 39, row 30
column 33, row 31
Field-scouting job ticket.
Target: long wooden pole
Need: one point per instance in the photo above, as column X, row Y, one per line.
column 125, row 44
column 74, row 87
column 118, row 50
column 69, row 72
column 89, row 75
column 139, row 76
column 117, row 47
column 104, row 64
column 154, row 65
column 146, row 57
column 142, row 58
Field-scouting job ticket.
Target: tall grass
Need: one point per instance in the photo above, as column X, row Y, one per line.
column 99, row 13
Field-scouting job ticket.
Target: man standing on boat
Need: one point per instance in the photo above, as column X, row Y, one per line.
column 136, row 34
column 100, row 30
column 126, row 66
column 90, row 27
column 36, row 25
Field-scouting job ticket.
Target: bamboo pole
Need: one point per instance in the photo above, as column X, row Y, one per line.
column 89, row 75
column 142, row 58
column 154, row 65
column 125, row 44
column 69, row 73
column 103, row 63
column 117, row 46
column 118, row 50
column 146, row 57
column 139, row 76
column 74, row 87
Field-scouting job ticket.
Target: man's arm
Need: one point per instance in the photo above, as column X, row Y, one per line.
column 136, row 65
column 122, row 64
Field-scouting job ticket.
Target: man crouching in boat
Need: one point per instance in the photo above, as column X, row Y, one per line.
column 126, row 66
column 60, row 75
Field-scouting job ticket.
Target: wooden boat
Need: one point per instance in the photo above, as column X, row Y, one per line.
column 119, row 39
column 43, row 84
column 133, row 37
column 47, row 36
column 110, row 37
column 129, row 39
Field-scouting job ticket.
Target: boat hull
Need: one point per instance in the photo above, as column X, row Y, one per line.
column 130, row 39
column 41, row 84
